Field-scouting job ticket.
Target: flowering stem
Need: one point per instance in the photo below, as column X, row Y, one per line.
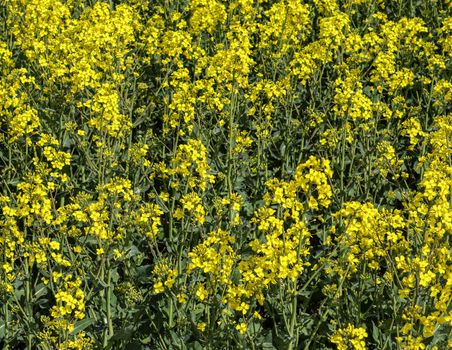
column 294, row 340
column 5, row 311
column 231, row 139
column 109, row 320
column 28, row 310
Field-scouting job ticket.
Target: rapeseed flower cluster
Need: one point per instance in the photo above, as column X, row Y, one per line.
column 349, row 337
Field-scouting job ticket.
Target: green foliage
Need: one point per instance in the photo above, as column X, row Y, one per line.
column 235, row 174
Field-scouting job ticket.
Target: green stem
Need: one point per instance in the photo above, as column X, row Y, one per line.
column 171, row 313
column 342, row 166
column 109, row 290
column 6, row 312
column 28, row 305
column 231, row 139
column 294, row 341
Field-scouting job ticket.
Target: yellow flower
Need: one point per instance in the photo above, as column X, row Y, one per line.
column 202, row 293
column 349, row 337
column 117, row 253
column 54, row 245
column 202, row 326
column 181, row 298
column 241, row 327
column 158, row 287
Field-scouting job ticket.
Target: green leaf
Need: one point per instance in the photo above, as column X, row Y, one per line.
column 2, row 329
column 83, row 324
column 40, row 290
column 376, row 333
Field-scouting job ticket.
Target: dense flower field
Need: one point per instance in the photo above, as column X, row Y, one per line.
column 214, row 174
